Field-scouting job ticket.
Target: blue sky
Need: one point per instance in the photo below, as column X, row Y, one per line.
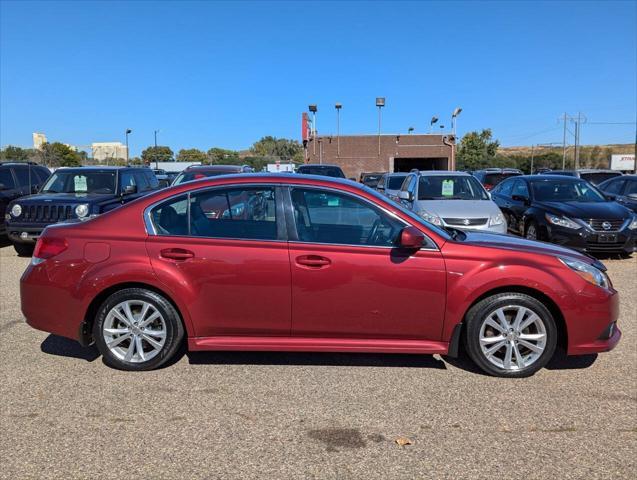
column 224, row 74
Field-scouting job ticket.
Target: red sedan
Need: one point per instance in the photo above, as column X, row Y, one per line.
column 305, row 263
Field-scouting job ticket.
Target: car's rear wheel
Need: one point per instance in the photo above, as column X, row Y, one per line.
column 24, row 249
column 137, row 329
column 533, row 232
column 510, row 335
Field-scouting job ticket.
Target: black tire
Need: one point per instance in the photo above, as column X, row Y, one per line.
column 482, row 310
column 533, row 231
column 174, row 329
column 24, row 249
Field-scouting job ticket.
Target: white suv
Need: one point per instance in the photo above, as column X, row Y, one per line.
column 451, row 199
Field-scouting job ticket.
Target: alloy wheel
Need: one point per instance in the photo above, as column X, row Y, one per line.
column 134, row 331
column 513, row 337
column 531, row 232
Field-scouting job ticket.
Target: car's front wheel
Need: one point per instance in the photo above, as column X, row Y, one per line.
column 510, row 335
column 137, row 329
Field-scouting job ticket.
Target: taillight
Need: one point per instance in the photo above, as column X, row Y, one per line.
column 488, row 186
column 48, row 247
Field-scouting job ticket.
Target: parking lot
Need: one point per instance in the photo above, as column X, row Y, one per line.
column 283, row 415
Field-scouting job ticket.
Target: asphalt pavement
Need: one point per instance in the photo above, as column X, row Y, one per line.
column 64, row 414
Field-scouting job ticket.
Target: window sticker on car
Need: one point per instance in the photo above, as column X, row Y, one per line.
column 80, row 183
column 447, row 188
column 332, row 202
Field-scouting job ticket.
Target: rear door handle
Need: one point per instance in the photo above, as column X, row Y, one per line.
column 314, row 261
column 177, row 253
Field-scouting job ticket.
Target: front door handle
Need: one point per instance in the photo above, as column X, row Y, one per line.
column 177, row 253
column 313, row 261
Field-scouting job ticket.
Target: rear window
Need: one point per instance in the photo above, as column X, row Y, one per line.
column 598, row 177
column 494, row 178
column 320, row 170
column 371, row 180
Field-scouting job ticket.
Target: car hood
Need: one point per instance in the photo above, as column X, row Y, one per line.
column 509, row 242
column 459, row 208
column 66, row 198
column 585, row 210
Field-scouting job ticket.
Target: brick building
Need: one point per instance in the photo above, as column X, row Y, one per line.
column 387, row 153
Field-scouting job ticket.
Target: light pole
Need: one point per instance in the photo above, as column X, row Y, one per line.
column 434, row 119
column 380, row 103
column 313, row 108
column 455, row 113
column 155, row 153
column 128, row 131
column 338, row 107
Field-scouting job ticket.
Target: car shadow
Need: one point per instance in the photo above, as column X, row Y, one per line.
column 315, row 359
column 65, row 347
column 561, row 361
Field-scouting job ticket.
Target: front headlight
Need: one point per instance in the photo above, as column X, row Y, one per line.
column 430, row 217
column 16, row 210
column 496, row 220
column 633, row 224
column 562, row 221
column 587, row 272
column 81, row 210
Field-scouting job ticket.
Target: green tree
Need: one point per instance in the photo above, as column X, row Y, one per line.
column 14, row 153
column 157, row 154
column 191, row 155
column 477, row 150
column 57, row 154
column 221, row 156
column 278, row 149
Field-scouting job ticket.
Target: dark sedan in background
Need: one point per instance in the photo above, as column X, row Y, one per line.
column 567, row 211
column 592, row 175
column 621, row 189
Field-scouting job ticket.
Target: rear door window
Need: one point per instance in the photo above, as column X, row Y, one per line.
column 26, row 176
column 615, row 187
column 520, row 189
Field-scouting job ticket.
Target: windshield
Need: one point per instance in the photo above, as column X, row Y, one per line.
column 492, row 179
column 450, row 187
column 566, row 191
column 195, row 175
column 318, row 170
column 80, row 182
column 598, row 177
column 371, row 180
column 395, row 182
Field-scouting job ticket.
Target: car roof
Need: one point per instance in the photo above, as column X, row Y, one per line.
column 231, row 168
column 434, row 173
column 554, row 178
column 319, row 165
column 104, row 168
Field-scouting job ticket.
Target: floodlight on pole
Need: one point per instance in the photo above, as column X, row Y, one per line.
column 410, row 130
column 380, row 103
column 434, row 119
column 128, row 131
column 338, row 107
column 313, row 109
column 455, row 113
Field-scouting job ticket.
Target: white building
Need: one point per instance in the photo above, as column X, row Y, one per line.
column 106, row 151
column 39, row 139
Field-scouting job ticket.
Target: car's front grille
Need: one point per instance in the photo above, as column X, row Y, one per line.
column 47, row 213
column 604, row 247
column 465, row 222
column 605, row 225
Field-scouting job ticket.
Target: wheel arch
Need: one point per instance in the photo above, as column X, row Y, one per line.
column 86, row 327
column 560, row 322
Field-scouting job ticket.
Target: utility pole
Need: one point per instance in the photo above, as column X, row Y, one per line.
column 532, row 158
column 380, row 103
column 564, row 145
column 338, row 107
column 156, row 161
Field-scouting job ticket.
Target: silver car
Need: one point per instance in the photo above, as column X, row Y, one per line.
column 451, row 199
column 390, row 184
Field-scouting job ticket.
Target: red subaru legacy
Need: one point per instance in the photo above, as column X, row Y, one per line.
column 306, row 263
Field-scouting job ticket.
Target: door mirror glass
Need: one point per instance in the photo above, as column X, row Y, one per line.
column 411, row 237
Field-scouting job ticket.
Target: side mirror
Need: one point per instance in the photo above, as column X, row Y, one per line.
column 380, row 187
column 405, row 195
column 128, row 189
column 610, row 196
column 411, row 237
column 521, row 198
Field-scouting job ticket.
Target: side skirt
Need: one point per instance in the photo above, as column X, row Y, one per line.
column 309, row 344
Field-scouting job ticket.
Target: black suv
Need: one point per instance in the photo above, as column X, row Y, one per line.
column 18, row 179
column 71, row 194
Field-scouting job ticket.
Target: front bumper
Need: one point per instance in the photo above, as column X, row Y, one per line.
column 27, row 233
column 590, row 241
